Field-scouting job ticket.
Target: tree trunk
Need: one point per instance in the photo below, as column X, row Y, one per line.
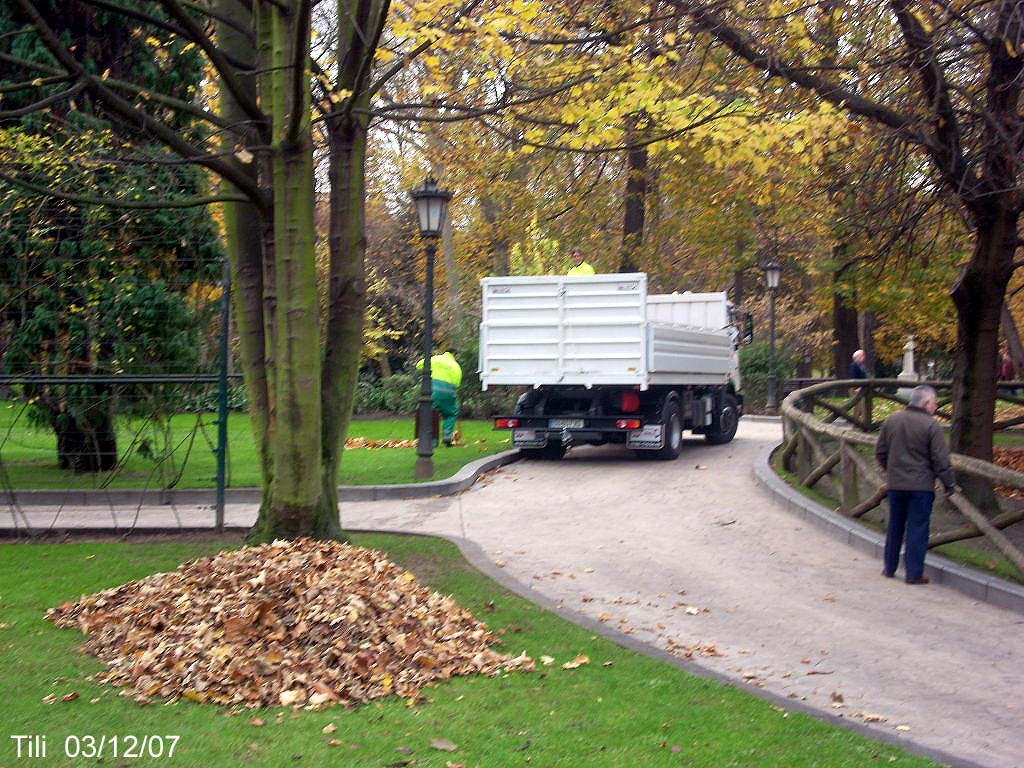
column 295, row 384
column 845, row 339
column 346, row 302
column 633, row 220
column 1013, row 342
column 490, row 209
column 245, row 231
column 451, row 266
column 978, row 296
column 87, row 441
column 346, row 299
column 867, row 325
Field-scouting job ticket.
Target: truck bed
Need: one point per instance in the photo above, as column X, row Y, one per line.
column 600, row 330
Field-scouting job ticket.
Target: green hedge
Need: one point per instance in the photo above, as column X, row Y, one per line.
column 754, row 363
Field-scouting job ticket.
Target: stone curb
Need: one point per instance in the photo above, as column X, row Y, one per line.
column 460, row 481
column 939, row 569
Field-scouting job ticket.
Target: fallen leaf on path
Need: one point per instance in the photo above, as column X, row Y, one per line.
column 443, row 745
column 870, row 717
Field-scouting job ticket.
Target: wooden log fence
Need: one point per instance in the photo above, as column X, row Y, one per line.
column 818, row 448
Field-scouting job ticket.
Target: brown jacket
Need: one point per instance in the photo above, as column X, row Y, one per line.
column 913, row 450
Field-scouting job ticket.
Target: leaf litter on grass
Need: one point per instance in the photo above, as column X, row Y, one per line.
column 290, row 623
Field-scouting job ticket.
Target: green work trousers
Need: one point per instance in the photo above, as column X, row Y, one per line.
column 446, row 400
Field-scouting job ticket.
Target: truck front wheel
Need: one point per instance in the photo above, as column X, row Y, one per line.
column 723, row 429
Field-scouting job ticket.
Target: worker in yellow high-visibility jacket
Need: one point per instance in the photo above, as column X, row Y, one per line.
column 579, row 266
column 445, row 378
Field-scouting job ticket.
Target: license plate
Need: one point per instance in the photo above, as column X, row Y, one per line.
column 650, row 437
column 523, row 434
column 565, row 423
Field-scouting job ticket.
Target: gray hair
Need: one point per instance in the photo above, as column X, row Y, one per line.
column 921, row 394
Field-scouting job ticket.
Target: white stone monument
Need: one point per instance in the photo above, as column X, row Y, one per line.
column 909, row 372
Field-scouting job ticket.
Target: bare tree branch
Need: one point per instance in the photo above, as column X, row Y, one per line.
column 300, row 57
column 946, row 148
column 43, row 103
column 226, row 71
column 112, row 202
column 24, row 86
column 745, row 47
column 229, row 170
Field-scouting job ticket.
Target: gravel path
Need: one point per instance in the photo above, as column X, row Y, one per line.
column 693, row 557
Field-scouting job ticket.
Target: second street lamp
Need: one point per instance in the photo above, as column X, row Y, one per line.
column 432, row 209
column 772, row 273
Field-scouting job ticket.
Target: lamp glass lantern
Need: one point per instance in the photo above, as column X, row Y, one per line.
column 772, row 273
column 431, row 206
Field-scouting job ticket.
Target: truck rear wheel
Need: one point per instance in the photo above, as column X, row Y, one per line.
column 723, row 428
column 553, row 451
column 673, row 432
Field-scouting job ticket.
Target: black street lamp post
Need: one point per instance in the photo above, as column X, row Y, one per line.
column 432, row 208
column 772, row 273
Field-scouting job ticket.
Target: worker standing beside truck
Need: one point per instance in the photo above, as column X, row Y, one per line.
column 579, row 266
column 445, row 378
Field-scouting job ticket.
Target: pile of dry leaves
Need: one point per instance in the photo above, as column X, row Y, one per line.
column 1011, row 458
column 365, row 442
column 300, row 622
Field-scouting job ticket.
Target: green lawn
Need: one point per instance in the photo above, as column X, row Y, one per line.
column 28, row 455
column 623, row 709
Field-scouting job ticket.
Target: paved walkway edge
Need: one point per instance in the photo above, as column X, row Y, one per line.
column 940, row 570
column 479, row 559
column 460, row 481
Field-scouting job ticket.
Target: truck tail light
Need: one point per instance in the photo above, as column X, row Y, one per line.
column 630, row 401
column 506, row 423
column 628, row 424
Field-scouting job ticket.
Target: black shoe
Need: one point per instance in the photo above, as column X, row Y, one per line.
column 449, row 443
column 888, row 574
column 920, row 580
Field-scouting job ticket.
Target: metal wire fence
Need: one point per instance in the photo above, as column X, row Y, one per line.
column 147, row 439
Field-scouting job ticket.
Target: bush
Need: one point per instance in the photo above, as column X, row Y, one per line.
column 754, row 364
column 369, row 397
column 206, row 400
column 401, row 393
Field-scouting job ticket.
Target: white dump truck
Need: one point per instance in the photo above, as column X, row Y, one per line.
column 607, row 363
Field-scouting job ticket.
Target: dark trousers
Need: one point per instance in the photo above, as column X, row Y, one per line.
column 910, row 510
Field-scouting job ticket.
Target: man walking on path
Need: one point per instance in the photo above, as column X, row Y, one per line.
column 912, row 451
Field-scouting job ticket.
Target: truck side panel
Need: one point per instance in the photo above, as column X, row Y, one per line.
column 681, row 350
